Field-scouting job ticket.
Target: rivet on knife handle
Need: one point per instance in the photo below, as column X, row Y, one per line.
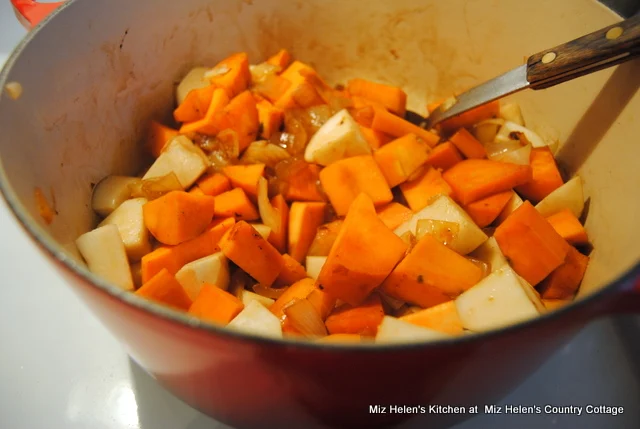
column 598, row 50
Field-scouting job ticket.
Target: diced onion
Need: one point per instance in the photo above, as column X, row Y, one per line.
column 269, row 292
column 270, row 216
column 317, row 116
column 486, row 131
column 333, row 98
column 409, row 239
column 486, row 269
column 305, row 318
column 262, row 71
column 155, row 187
column 325, row 236
column 263, row 152
column 513, row 151
column 295, row 137
column 224, row 149
column 511, row 131
column 217, row 71
column 443, row 231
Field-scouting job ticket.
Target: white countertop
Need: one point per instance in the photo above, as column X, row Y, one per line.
column 59, row 368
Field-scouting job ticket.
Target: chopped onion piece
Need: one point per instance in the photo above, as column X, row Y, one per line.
column 334, row 98
column 155, row 187
column 297, row 136
column 317, row 116
column 511, row 112
column 325, row 236
column 305, row 318
column 443, row 231
column 270, row 216
column 217, row 71
column 496, row 148
column 262, row 71
column 486, row 269
column 263, row 152
column 409, row 239
column 486, row 131
column 269, row 292
column 512, row 131
column 223, row 150
column 520, row 156
column 513, row 151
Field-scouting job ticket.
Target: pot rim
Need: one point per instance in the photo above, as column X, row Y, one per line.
column 54, row 252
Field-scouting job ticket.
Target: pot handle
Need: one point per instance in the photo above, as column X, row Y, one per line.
column 31, row 12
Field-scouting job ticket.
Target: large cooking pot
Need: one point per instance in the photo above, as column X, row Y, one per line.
column 95, row 71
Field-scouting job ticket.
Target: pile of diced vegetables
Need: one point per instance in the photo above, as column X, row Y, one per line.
column 279, row 205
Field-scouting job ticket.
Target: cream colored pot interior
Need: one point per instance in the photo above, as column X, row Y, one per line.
column 99, row 70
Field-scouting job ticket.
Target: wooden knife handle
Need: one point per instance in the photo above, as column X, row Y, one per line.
column 601, row 49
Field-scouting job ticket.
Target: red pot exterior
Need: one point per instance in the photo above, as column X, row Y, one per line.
column 251, row 384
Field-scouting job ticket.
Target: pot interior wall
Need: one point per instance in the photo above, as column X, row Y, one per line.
column 96, row 73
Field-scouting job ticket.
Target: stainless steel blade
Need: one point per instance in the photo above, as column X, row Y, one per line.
column 508, row 83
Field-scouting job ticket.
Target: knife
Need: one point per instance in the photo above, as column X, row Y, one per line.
column 596, row 51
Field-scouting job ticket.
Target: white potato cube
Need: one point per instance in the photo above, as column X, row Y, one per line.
column 262, row 229
column 497, row 300
column 193, row 80
column 183, row 158
column 314, row 265
column 568, row 196
column 393, row 330
column 104, row 252
column 489, row 252
column 256, row 319
column 340, row 137
column 130, row 222
column 110, row 192
column 504, row 135
column 212, row 269
column 469, row 236
column 247, row 296
column 513, row 204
